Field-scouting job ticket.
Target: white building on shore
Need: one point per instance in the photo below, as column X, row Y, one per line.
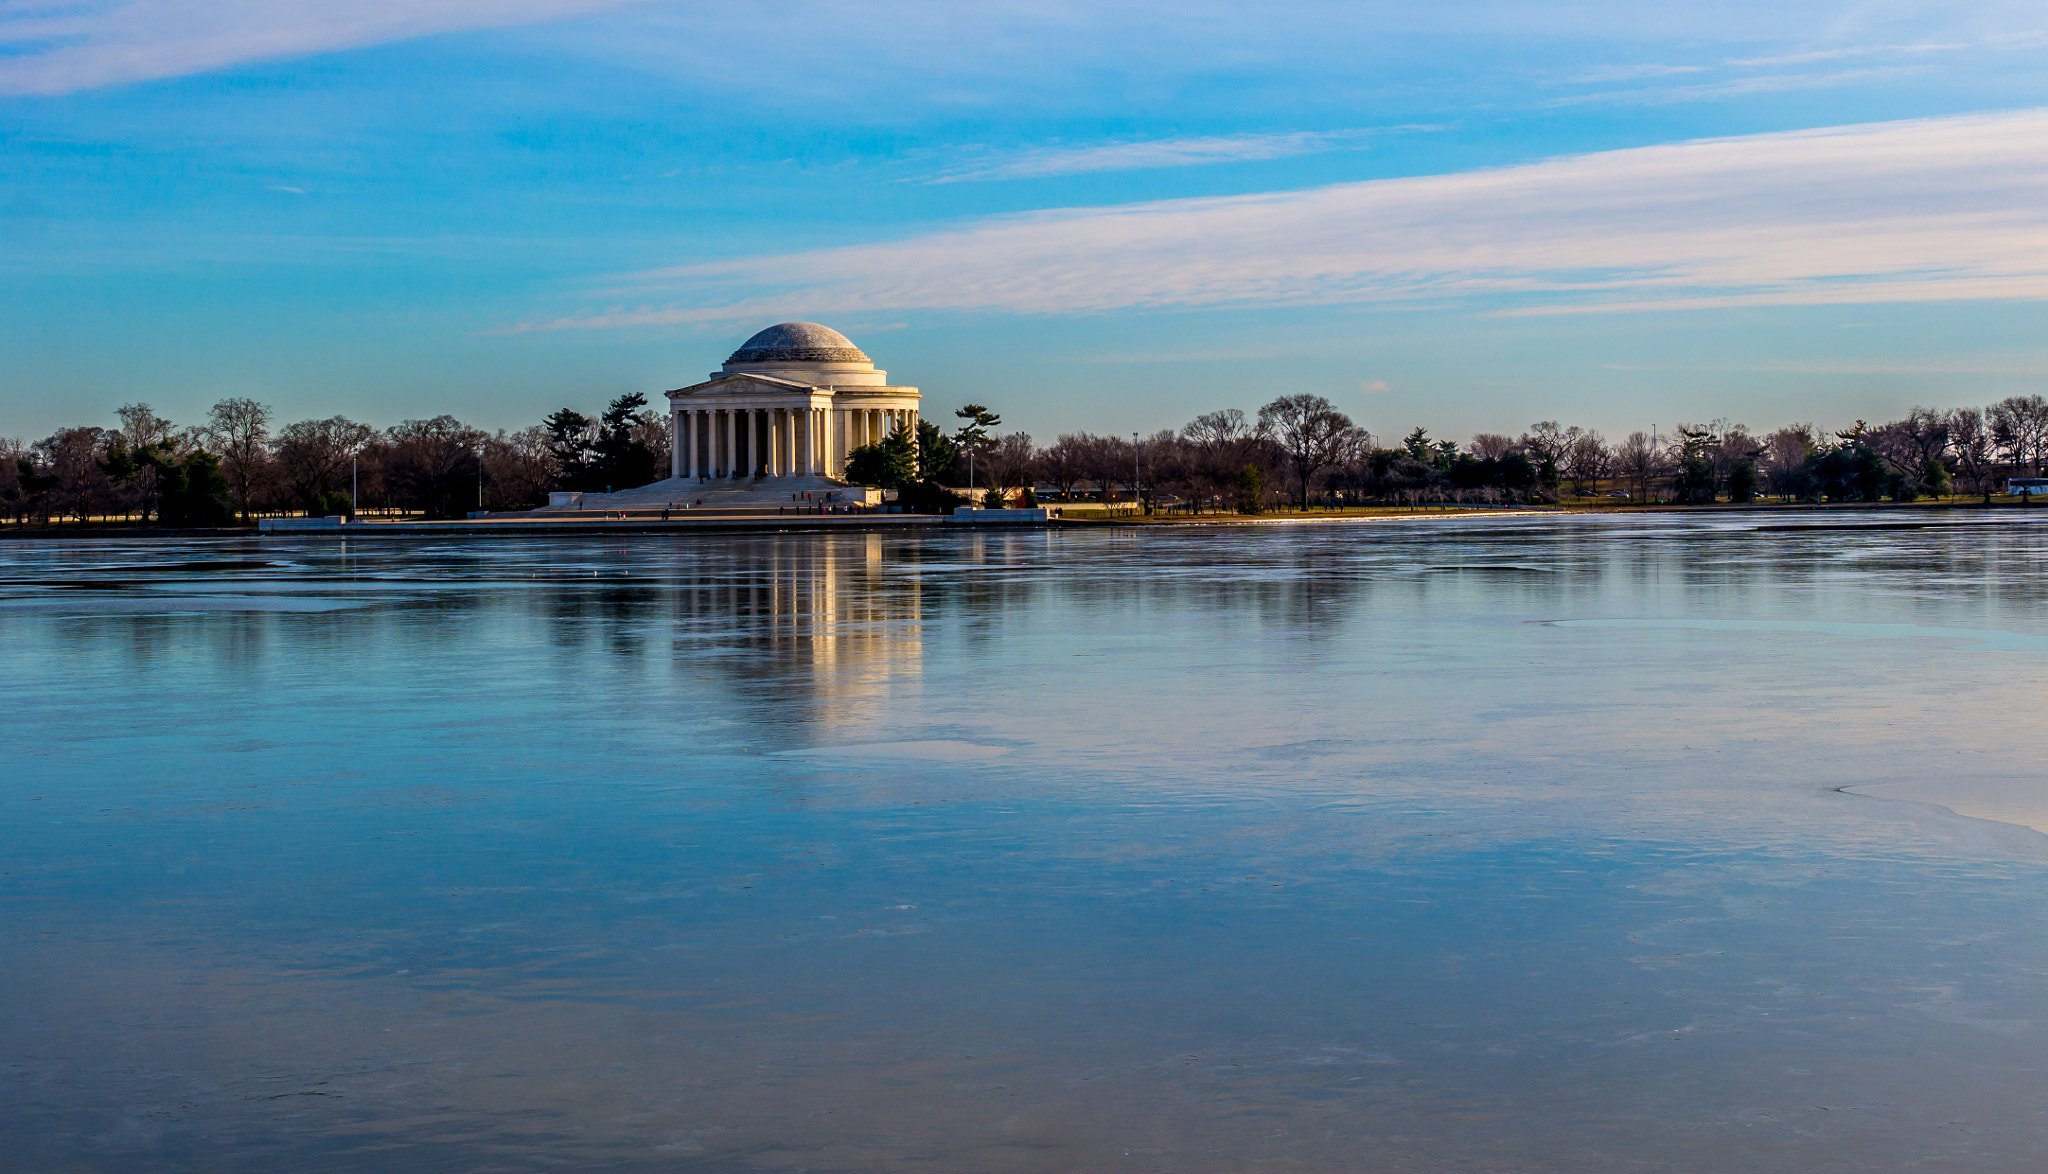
column 790, row 403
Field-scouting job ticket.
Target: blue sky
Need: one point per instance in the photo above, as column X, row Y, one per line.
column 1111, row 217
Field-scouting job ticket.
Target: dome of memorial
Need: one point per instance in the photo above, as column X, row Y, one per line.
column 798, row 342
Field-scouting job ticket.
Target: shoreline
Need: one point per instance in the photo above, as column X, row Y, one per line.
column 1784, row 513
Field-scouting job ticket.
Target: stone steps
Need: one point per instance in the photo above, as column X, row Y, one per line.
column 718, row 493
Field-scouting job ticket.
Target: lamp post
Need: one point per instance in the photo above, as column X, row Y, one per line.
column 1137, row 491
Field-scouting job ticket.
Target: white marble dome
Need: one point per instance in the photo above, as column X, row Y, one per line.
column 797, row 342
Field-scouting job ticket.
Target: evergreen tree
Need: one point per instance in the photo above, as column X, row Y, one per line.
column 974, row 436
column 890, row 464
column 568, row 442
column 195, row 491
column 621, row 458
column 936, row 453
column 1742, row 482
column 1251, row 490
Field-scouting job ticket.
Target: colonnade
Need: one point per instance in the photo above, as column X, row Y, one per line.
column 777, row 442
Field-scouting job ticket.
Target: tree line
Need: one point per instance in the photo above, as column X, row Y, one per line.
column 1297, row 449
column 1301, row 450
column 238, row 463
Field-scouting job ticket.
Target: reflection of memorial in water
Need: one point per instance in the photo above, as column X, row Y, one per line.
column 823, row 623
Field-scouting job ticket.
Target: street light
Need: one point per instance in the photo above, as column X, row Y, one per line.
column 1137, row 491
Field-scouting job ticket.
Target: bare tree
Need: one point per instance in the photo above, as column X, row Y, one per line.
column 1785, row 452
column 1970, row 438
column 2019, row 425
column 519, row 466
column 1109, row 462
column 1165, row 464
column 1227, row 432
column 238, row 431
column 313, row 456
column 1587, row 461
column 1912, row 448
column 142, row 428
column 1546, row 442
column 1006, row 462
column 72, row 457
column 1064, row 464
column 144, row 442
column 434, row 464
column 1313, row 434
column 652, row 431
column 1491, row 446
column 1222, row 444
column 1733, row 448
column 16, row 462
column 1928, row 432
column 1639, row 462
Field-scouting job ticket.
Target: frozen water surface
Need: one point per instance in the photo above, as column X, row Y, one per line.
column 1496, row 845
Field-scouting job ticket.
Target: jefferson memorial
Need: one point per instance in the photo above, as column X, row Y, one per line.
column 776, row 421
column 791, row 402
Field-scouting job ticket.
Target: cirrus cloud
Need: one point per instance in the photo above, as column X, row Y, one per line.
column 1925, row 210
column 61, row 46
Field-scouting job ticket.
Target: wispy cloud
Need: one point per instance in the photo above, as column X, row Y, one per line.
column 1783, row 72
column 1156, row 153
column 1837, row 54
column 60, row 46
column 1769, row 83
column 1629, row 73
column 1928, row 210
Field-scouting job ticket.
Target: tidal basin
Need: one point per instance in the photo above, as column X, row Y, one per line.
column 1630, row 844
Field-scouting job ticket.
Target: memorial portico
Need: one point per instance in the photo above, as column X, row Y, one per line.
column 790, row 403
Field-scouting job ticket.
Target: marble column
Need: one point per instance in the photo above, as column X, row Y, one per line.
column 732, row 442
column 775, row 442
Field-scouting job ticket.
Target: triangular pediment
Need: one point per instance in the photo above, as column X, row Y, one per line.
column 741, row 383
